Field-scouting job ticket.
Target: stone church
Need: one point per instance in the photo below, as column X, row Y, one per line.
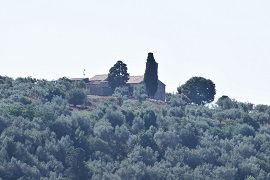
column 99, row 85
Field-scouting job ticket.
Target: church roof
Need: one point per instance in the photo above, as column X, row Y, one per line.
column 104, row 77
column 135, row 79
column 100, row 77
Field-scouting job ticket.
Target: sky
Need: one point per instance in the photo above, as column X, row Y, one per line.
column 226, row 41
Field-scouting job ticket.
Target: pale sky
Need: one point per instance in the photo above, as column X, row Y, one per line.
column 226, row 41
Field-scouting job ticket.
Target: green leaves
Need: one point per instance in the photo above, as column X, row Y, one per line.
column 151, row 75
column 26, row 111
column 118, row 75
column 199, row 90
column 46, row 139
column 76, row 97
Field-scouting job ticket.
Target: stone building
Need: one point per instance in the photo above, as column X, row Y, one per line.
column 98, row 85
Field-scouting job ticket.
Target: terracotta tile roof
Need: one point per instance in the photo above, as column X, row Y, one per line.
column 100, row 77
column 78, row 79
column 132, row 79
column 135, row 79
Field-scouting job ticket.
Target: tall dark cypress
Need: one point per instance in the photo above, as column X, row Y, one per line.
column 151, row 75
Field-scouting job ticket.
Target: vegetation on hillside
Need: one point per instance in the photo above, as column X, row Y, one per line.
column 127, row 136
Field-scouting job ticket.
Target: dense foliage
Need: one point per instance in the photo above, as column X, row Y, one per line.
column 151, row 75
column 118, row 75
column 199, row 90
column 76, row 97
column 126, row 136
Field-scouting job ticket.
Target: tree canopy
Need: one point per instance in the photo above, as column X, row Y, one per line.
column 42, row 138
column 199, row 90
column 118, row 75
column 151, row 75
column 76, row 97
column 225, row 102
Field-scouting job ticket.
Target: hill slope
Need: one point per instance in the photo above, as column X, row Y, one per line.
column 42, row 137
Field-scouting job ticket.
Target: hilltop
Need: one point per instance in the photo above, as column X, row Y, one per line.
column 44, row 135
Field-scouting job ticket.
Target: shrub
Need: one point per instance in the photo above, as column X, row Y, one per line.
column 76, row 97
column 115, row 118
column 149, row 118
column 139, row 92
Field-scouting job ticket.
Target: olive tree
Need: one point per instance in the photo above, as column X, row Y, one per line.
column 76, row 97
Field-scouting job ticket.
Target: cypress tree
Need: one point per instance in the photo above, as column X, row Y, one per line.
column 151, row 75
